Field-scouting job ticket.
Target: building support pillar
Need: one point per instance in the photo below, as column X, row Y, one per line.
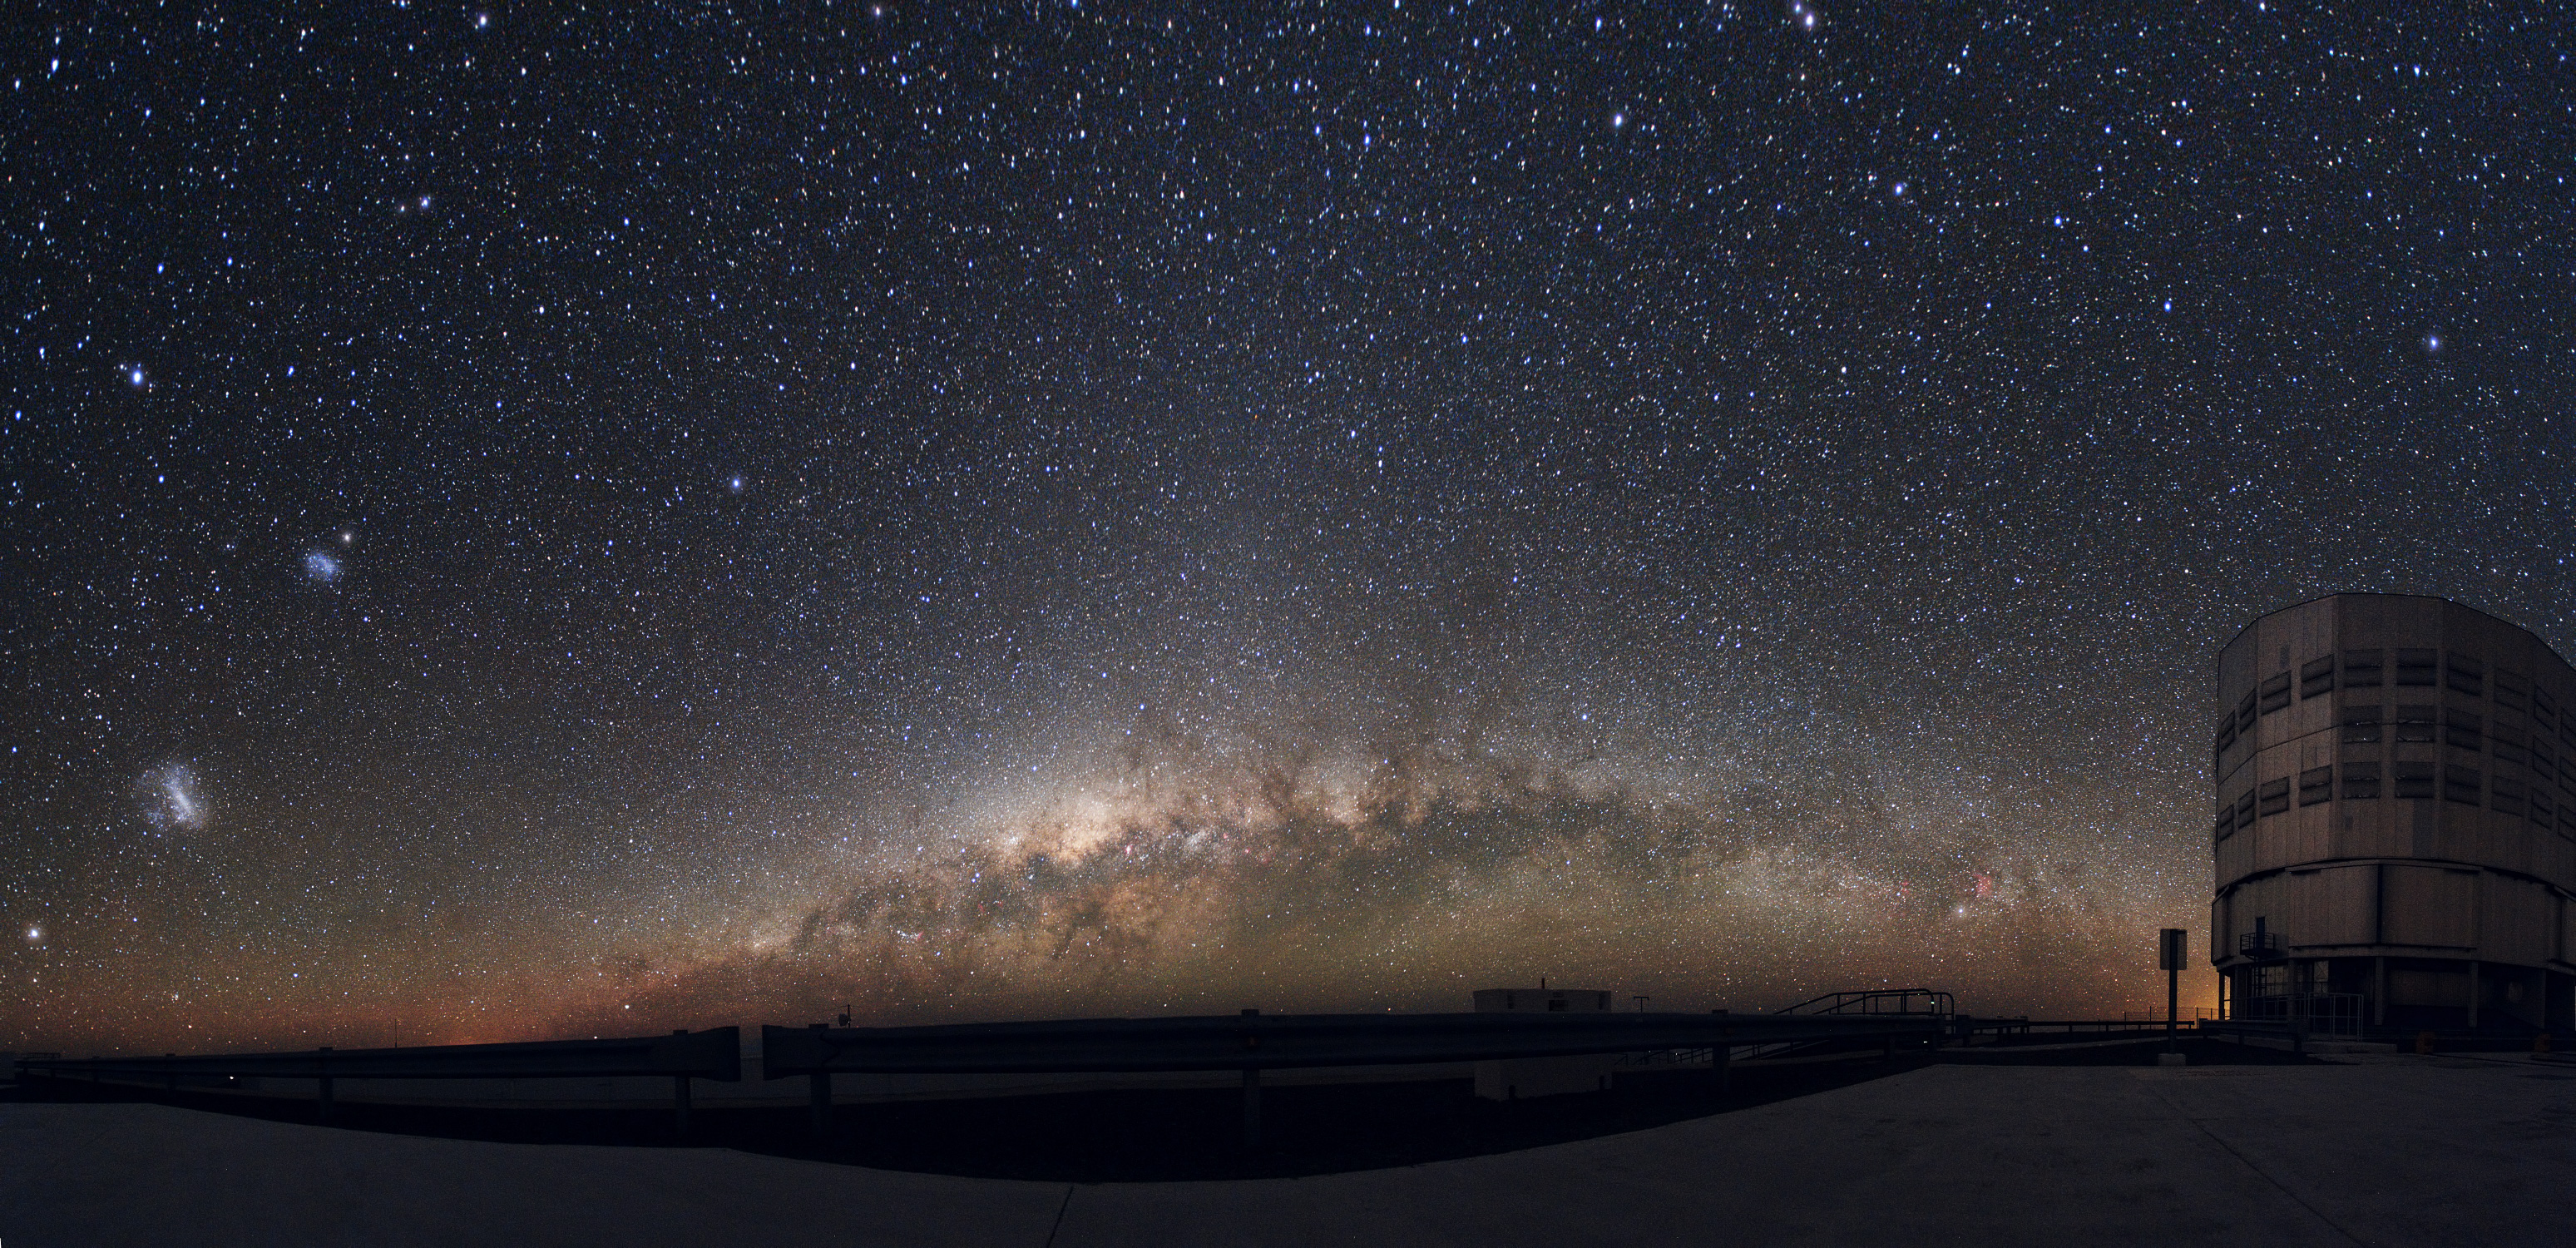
column 2473, row 994
column 2379, row 991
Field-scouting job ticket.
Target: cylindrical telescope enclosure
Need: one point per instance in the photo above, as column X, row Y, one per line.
column 2395, row 819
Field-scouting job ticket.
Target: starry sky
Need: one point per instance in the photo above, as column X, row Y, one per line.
column 528, row 521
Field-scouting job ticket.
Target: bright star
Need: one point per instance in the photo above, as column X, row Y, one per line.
column 2433, row 342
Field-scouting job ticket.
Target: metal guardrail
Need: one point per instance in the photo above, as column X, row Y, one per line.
column 2156, row 1014
column 2320, row 1013
column 712, row 1054
column 1252, row 1042
column 683, row 1055
column 1272, row 1041
column 2241, row 1029
column 2026, row 1027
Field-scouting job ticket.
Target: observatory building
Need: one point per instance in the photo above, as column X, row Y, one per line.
column 1515, row 1078
column 2396, row 819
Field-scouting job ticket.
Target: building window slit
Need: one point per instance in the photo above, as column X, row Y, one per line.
column 2415, row 723
column 2414, row 780
column 2274, row 796
column 2276, row 693
column 2463, row 784
column 2467, row 675
column 2316, row 784
column 2512, row 690
column 2506, row 797
column 2463, row 730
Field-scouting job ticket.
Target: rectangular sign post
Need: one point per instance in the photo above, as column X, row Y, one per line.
column 2173, row 948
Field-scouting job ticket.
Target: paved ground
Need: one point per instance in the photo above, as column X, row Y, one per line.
column 2397, row 1150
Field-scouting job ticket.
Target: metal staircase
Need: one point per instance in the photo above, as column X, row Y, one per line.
column 1926, row 1001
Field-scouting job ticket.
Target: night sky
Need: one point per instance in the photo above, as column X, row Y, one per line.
column 525, row 524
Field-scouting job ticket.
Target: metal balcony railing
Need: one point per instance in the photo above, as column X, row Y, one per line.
column 681, row 1056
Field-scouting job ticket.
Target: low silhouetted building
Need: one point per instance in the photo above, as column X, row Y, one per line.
column 1543, row 1076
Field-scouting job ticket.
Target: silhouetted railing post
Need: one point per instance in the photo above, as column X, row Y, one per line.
column 818, row 1094
column 1722, row 1056
column 322, row 1082
column 680, row 1098
column 1251, row 1085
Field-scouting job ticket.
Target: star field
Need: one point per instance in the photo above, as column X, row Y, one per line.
column 530, row 524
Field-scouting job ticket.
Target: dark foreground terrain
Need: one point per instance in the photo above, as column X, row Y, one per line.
column 1165, row 1134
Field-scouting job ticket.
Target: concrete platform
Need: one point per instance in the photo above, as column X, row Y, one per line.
column 2394, row 1150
